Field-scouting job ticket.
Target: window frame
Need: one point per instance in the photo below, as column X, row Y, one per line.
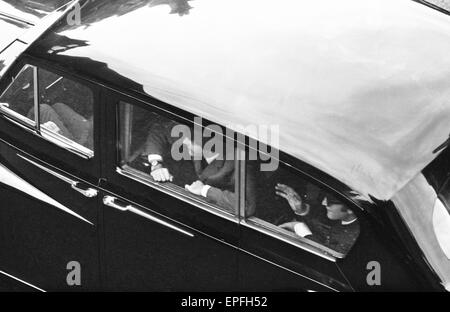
column 35, row 128
column 17, row 117
column 240, row 186
column 170, row 188
column 273, row 230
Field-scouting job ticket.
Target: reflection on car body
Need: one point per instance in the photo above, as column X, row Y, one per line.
column 90, row 124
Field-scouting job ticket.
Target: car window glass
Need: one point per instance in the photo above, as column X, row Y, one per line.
column 18, row 98
column 287, row 203
column 65, row 106
column 161, row 149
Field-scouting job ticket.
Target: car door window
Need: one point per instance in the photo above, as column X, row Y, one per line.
column 65, row 106
column 295, row 208
column 161, row 149
column 18, row 98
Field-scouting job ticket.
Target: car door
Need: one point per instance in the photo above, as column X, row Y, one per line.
column 276, row 257
column 49, row 163
column 158, row 236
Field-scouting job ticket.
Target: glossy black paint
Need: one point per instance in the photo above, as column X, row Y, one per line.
column 41, row 239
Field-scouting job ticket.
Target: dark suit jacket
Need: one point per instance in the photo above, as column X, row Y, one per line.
column 159, row 141
column 330, row 233
column 219, row 174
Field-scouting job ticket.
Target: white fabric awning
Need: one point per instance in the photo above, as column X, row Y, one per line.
column 359, row 89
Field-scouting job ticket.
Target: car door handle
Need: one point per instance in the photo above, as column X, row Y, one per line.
column 112, row 202
column 88, row 192
column 80, row 187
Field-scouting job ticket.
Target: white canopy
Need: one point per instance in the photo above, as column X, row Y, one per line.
column 359, row 89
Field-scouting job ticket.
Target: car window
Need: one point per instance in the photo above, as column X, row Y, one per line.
column 18, row 98
column 65, row 106
column 160, row 148
column 292, row 206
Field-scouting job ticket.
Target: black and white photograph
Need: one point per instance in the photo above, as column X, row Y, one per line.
column 224, row 151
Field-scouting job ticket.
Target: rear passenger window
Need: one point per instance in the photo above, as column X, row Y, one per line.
column 159, row 148
column 65, row 107
column 297, row 209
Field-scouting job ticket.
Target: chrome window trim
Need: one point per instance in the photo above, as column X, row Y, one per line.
column 37, row 115
column 49, row 171
column 13, row 114
column 89, row 192
column 299, row 242
column 109, row 201
column 51, row 137
column 177, row 192
column 22, row 281
column 67, row 144
column 241, row 181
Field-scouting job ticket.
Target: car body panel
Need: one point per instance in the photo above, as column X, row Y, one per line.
column 163, row 243
column 43, row 236
column 44, row 211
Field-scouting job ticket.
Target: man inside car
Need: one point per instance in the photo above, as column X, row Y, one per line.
column 337, row 227
column 211, row 176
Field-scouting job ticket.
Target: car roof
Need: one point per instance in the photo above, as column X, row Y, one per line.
column 358, row 89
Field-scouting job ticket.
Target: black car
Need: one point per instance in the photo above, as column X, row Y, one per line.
column 224, row 146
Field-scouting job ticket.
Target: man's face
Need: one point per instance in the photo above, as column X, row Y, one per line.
column 335, row 211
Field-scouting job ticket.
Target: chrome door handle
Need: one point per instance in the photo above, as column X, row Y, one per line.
column 111, row 202
column 88, row 192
